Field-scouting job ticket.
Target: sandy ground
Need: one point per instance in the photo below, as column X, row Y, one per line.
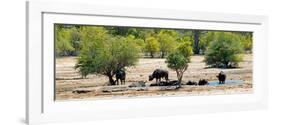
column 68, row 79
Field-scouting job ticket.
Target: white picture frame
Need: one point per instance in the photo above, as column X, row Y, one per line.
column 41, row 107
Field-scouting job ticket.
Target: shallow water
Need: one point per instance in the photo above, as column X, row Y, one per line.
column 213, row 83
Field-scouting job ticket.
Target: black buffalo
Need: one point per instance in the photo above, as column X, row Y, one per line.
column 120, row 75
column 202, row 82
column 158, row 74
column 221, row 77
column 191, row 83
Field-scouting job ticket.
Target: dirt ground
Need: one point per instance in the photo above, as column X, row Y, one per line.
column 68, row 79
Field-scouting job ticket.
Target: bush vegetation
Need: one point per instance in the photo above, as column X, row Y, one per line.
column 225, row 51
column 178, row 60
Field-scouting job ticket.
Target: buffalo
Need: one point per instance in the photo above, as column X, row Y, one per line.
column 221, row 77
column 120, row 75
column 191, row 83
column 169, row 83
column 158, row 74
column 202, row 82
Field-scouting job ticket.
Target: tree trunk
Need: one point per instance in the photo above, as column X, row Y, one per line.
column 196, row 35
column 180, row 79
column 151, row 55
column 179, row 75
column 162, row 54
column 111, row 80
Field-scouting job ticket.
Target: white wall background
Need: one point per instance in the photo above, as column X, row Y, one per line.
column 12, row 61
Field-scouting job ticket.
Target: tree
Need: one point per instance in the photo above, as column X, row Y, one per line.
column 247, row 41
column 167, row 41
column 179, row 59
column 139, row 42
column 104, row 54
column 151, row 46
column 186, row 36
column 121, row 31
column 63, row 44
column 93, row 38
column 67, row 40
column 225, row 51
column 75, row 40
column 196, row 38
column 205, row 39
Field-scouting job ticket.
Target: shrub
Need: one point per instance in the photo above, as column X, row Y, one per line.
column 179, row 59
column 225, row 51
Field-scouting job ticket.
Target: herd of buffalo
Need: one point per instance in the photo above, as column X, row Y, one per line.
column 159, row 74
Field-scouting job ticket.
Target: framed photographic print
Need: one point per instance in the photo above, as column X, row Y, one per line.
column 92, row 62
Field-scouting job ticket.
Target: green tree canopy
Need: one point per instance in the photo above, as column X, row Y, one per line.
column 179, row 59
column 75, row 40
column 63, row 41
column 247, row 41
column 151, row 46
column 104, row 54
column 139, row 42
column 225, row 51
column 167, row 41
column 206, row 39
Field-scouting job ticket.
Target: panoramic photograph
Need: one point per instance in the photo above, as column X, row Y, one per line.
column 113, row 62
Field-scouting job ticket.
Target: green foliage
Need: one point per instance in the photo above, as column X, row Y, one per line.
column 247, row 41
column 75, row 40
column 185, row 37
column 151, row 46
column 67, row 40
column 185, row 49
column 206, row 39
column 93, row 38
column 138, row 33
column 63, row 41
column 104, row 54
column 121, row 31
column 225, row 51
column 179, row 59
column 167, row 41
column 244, row 37
column 139, row 42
